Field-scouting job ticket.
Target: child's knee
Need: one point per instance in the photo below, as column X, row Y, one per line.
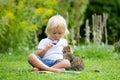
column 31, row 57
column 67, row 62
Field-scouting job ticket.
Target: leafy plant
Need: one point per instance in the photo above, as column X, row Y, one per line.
column 73, row 10
column 21, row 22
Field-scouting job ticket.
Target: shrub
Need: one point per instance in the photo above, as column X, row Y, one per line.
column 21, row 22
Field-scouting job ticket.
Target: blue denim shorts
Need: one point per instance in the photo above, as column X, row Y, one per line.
column 49, row 62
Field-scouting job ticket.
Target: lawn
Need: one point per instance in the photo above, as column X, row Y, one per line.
column 16, row 67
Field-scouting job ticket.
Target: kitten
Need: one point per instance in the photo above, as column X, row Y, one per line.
column 76, row 63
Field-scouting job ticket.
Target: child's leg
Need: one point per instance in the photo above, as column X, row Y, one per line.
column 40, row 65
column 63, row 64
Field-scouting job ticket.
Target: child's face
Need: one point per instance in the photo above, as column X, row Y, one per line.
column 56, row 34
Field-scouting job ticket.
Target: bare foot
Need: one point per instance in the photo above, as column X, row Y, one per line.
column 56, row 69
column 50, row 69
column 36, row 69
column 61, row 70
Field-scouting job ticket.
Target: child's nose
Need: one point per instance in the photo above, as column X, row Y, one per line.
column 57, row 35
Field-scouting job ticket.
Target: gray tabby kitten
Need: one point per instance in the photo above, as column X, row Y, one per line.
column 76, row 62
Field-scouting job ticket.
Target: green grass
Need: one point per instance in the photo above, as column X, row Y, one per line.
column 16, row 67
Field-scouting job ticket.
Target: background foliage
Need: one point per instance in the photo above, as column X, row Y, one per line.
column 112, row 8
column 22, row 22
column 74, row 11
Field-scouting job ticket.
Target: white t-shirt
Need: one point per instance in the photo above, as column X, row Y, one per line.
column 55, row 52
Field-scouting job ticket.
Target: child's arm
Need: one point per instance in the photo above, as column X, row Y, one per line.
column 42, row 52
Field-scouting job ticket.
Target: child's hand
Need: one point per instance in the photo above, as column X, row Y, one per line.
column 42, row 52
column 49, row 46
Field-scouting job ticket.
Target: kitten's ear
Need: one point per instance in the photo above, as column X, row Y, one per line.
column 68, row 46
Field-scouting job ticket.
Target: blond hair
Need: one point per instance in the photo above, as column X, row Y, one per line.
column 55, row 22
